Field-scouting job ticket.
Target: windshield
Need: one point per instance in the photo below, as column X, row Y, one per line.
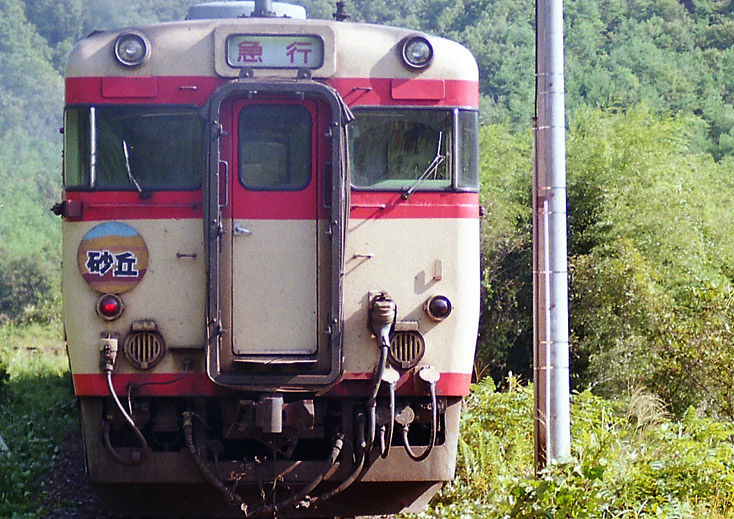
column 133, row 148
column 403, row 150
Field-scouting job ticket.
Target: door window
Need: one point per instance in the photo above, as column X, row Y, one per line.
column 275, row 144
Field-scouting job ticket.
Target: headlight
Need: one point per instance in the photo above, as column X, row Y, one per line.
column 438, row 308
column 416, row 52
column 132, row 49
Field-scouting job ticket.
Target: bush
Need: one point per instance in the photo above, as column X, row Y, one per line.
column 630, row 460
column 650, row 256
column 28, row 290
column 651, row 260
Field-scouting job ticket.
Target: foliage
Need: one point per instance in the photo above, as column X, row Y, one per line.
column 30, row 249
column 506, row 252
column 629, row 460
column 31, row 88
column 36, row 412
column 650, row 258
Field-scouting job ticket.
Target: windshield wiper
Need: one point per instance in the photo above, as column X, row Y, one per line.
column 129, row 172
column 430, row 170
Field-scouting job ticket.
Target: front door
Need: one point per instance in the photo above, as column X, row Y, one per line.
column 271, row 285
column 276, row 214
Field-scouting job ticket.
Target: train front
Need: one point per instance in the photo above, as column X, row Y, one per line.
column 271, row 262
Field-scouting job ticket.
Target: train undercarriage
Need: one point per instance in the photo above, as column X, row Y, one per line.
column 274, row 455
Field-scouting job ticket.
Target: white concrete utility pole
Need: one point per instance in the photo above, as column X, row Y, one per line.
column 550, row 257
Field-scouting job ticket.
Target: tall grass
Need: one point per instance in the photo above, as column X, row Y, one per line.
column 630, row 460
column 36, row 413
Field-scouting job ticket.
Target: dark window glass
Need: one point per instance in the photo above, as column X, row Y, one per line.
column 275, row 143
column 76, row 148
column 469, row 151
column 401, row 149
column 134, row 148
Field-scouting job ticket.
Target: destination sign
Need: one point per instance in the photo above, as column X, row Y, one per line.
column 268, row 51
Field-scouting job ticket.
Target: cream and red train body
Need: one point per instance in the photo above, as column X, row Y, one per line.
column 245, row 266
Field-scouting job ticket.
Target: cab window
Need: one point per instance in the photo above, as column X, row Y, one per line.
column 414, row 149
column 395, row 149
column 134, row 148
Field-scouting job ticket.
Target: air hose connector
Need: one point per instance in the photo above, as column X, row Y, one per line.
column 108, row 346
column 383, row 312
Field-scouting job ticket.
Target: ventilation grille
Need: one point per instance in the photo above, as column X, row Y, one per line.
column 407, row 348
column 144, row 349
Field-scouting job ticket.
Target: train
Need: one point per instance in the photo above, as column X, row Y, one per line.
column 270, row 276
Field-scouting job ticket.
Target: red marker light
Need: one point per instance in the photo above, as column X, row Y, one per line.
column 109, row 307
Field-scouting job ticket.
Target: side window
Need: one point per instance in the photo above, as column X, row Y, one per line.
column 76, row 148
column 468, row 177
column 401, row 149
column 275, row 142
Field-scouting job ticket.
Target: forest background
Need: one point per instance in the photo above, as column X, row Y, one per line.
column 650, row 111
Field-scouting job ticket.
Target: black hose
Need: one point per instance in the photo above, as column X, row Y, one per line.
column 360, row 445
column 344, row 484
column 372, row 401
column 330, row 467
column 386, row 442
column 212, row 479
column 434, row 427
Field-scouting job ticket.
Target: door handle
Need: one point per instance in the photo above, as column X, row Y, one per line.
column 238, row 230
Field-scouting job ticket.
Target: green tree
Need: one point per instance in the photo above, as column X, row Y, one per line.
column 30, row 252
column 506, row 329
column 651, row 259
column 60, row 22
column 31, row 88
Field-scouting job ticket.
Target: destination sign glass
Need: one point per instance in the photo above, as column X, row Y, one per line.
column 268, row 51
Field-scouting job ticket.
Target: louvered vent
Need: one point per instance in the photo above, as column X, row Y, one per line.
column 407, row 348
column 144, row 349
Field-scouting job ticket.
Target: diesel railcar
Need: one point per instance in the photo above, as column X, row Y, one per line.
column 270, row 261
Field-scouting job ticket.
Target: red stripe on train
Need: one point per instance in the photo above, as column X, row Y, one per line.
column 413, row 92
column 129, row 205
column 194, row 90
column 198, row 384
column 163, row 205
column 198, row 89
column 367, row 205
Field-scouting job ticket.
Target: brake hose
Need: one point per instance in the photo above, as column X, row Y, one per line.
column 372, row 401
column 330, row 467
column 434, row 420
column 344, row 484
column 361, row 452
column 188, row 427
column 383, row 312
column 391, row 377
